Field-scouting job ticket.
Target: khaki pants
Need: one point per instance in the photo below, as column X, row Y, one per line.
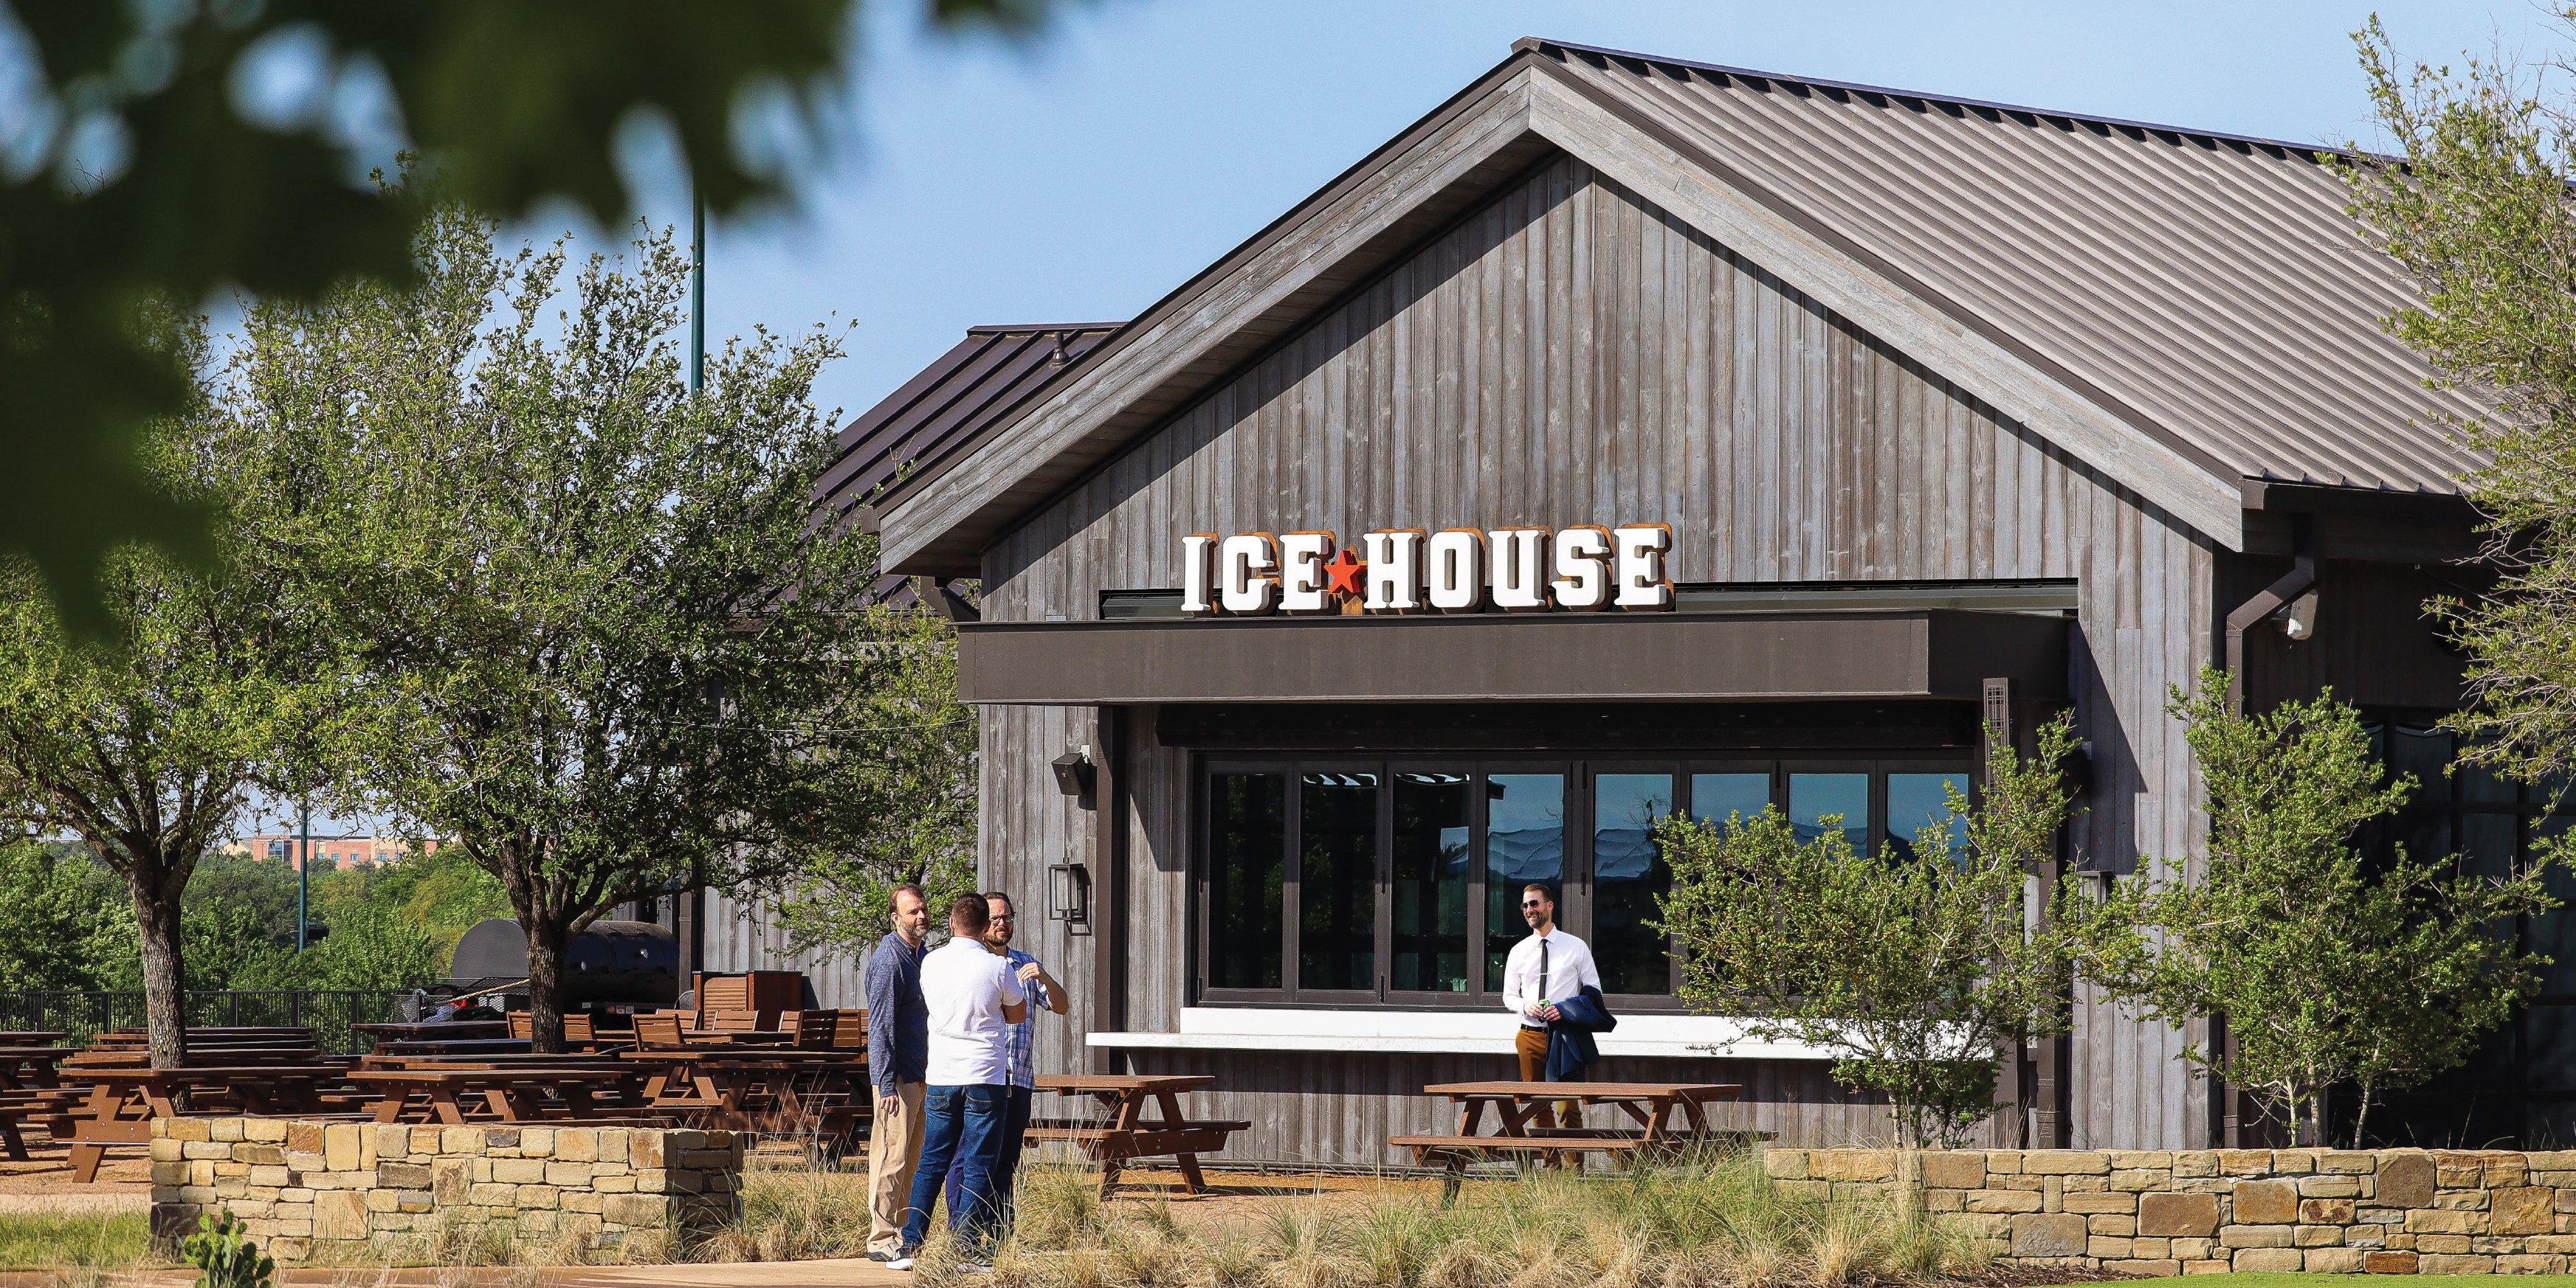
column 894, row 1148
column 1531, row 1047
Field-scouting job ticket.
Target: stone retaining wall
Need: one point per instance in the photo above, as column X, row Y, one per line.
column 339, row 1191
column 2204, row 1211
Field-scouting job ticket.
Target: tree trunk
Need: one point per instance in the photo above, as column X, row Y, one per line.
column 546, row 944
column 165, row 998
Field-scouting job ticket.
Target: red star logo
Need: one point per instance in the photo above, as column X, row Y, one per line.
column 1342, row 575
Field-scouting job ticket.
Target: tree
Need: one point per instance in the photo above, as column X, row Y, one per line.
column 1913, row 970
column 58, row 929
column 2474, row 206
column 612, row 654
column 916, row 764
column 2329, row 969
column 163, row 151
column 146, row 744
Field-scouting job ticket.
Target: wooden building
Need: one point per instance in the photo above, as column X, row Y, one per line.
column 1944, row 408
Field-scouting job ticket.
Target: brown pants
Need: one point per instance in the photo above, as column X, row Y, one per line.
column 894, row 1149
column 1532, row 1049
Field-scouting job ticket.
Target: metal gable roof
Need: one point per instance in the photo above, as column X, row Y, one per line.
column 2208, row 291
column 2212, row 283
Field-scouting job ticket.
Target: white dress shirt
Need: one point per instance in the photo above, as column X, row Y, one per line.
column 1569, row 968
column 966, row 986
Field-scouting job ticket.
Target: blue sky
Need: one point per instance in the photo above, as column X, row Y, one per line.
column 1080, row 177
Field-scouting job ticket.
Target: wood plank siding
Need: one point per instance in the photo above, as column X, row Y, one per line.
column 1570, row 354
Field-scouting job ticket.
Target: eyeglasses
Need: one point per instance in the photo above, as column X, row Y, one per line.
column 999, row 916
column 1532, row 903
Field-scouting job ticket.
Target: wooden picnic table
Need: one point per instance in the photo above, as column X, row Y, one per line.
column 25, row 1067
column 427, row 1031
column 32, row 1037
column 1651, row 1106
column 449, row 1046
column 123, row 1102
column 1127, row 1135
column 770, row 1089
column 514, row 1094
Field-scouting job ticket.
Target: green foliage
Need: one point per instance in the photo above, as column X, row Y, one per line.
column 60, row 928
column 2326, row 970
column 225, row 1254
column 2474, row 208
column 139, row 174
column 211, row 684
column 915, row 762
column 1913, row 972
column 605, row 651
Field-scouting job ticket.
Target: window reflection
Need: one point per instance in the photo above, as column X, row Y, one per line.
column 1718, row 797
column 1524, row 842
column 1919, row 805
column 1628, row 875
column 1843, row 798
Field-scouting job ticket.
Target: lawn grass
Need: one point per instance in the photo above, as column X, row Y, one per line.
column 46, row 1241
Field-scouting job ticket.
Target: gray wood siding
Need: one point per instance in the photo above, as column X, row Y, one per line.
column 1569, row 355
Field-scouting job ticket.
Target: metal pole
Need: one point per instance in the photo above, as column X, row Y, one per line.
column 697, row 290
column 303, row 869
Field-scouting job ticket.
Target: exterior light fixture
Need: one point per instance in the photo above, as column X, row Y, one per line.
column 1069, row 894
column 1075, row 774
column 2300, row 621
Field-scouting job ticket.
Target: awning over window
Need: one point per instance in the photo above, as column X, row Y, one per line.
column 1595, row 657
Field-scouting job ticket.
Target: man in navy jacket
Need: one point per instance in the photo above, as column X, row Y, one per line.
column 898, row 1056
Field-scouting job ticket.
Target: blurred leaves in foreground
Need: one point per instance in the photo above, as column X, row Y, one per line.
column 161, row 150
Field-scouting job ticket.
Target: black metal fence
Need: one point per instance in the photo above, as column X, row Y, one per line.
column 328, row 1012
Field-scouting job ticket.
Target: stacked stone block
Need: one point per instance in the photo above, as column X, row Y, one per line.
column 340, row 1191
column 2168, row 1212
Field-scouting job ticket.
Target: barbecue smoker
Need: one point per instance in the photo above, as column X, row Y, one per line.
column 615, row 967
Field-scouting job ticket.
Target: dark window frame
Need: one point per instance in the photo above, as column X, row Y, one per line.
column 1576, row 903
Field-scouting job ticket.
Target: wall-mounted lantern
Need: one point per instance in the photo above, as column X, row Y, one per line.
column 1069, row 895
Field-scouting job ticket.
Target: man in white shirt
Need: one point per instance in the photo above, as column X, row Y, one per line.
column 1544, row 969
column 973, row 997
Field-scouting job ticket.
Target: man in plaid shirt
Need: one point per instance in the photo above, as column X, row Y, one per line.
column 1046, row 992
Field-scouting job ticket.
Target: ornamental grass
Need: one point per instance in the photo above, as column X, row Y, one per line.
column 1683, row 1226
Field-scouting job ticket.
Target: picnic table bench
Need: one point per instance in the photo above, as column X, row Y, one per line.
column 414, row 1030
column 1127, row 1135
column 1651, row 1106
column 513, row 1094
column 123, row 1102
column 819, row 1092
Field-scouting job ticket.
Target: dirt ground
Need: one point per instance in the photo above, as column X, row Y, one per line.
column 43, row 1182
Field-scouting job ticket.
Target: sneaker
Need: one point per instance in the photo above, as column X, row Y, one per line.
column 881, row 1254
column 900, row 1263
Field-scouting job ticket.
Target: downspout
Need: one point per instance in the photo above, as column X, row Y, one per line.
column 2275, row 597
column 2229, row 1101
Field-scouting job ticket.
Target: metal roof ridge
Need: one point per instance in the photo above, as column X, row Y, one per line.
column 1018, row 328
column 1954, row 100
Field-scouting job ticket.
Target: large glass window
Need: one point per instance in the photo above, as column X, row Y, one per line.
column 1247, row 873
column 1918, row 805
column 2520, row 1089
column 1628, row 875
column 1432, row 839
column 1398, row 882
column 1524, row 842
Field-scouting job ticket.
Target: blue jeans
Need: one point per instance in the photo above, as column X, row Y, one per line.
column 963, row 1124
column 1006, row 1164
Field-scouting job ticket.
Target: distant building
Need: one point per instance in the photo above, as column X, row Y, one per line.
column 341, row 852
